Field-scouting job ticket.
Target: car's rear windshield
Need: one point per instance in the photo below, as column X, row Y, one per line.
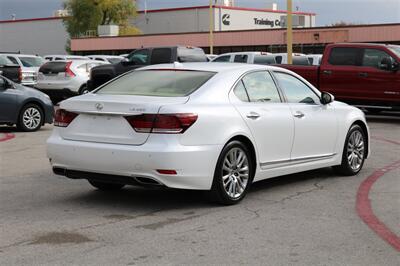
column 53, row 67
column 160, row 83
column 31, row 61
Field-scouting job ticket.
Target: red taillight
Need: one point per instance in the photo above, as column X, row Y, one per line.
column 161, row 123
column 68, row 71
column 166, row 172
column 63, row 118
column 20, row 76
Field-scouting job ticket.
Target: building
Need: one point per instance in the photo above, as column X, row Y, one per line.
column 306, row 40
column 225, row 18
column 48, row 35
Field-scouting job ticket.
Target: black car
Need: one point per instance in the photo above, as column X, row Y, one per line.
column 26, row 107
column 145, row 57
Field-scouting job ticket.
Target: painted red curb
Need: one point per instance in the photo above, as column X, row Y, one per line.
column 363, row 203
column 7, row 136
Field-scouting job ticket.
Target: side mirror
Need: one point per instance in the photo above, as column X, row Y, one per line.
column 326, row 98
column 388, row 64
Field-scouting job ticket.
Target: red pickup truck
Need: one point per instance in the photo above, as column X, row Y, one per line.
column 364, row 75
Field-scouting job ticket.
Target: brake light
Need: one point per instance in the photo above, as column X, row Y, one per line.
column 68, row 71
column 161, row 123
column 20, row 76
column 63, row 118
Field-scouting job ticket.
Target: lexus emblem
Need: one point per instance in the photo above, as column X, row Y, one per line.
column 98, row 106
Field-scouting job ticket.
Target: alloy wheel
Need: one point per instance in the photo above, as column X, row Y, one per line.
column 355, row 150
column 235, row 172
column 31, row 118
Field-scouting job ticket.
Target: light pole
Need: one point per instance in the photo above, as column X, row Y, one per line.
column 211, row 35
column 289, row 34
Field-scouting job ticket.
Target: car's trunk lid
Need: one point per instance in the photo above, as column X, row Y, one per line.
column 102, row 117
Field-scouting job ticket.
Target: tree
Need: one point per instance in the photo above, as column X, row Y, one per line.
column 86, row 15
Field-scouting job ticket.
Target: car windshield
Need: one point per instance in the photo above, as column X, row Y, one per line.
column 31, row 61
column 161, row 83
column 395, row 49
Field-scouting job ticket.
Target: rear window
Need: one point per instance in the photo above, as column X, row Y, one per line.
column 344, row 56
column 191, row 54
column 161, row 56
column 300, row 60
column 240, row 58
column 53, row 67
column 31, row 61
column 264, row 60
column 161, row 83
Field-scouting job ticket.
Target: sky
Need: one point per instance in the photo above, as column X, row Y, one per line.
column 328, row 11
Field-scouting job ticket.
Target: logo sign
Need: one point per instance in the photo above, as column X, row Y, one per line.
column 267, row 22
column 226, row 19
column 98, row 106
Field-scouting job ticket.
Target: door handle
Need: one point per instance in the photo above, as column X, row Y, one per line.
column 299, row 114
column 363, row 74
column 327, row 72
column 253, row 115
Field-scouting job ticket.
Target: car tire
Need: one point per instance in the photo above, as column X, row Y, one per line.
column 106, row 186
column 30, row 118
column 83, row 90
column 233, row 174
column 354, row 152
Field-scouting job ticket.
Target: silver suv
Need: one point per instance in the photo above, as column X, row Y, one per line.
column 29, row 67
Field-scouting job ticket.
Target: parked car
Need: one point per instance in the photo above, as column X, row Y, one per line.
column 10, row 70
column 65, row 78
column 145, row 57
column 203, row 126
column 64, row 57
column 26, row 107
column 29, row 66
column 262, row 58
column 315, row 59
column 297, row 58
column 112, row 59
column 365, row 75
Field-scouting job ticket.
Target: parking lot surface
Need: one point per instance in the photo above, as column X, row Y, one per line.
column 311, row 218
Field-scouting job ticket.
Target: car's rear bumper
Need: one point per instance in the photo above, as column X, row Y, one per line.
column 194, row 165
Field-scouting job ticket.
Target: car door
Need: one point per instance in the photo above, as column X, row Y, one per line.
column 339, row 73
column 267, row 116
column 316, row 125
column 8, row 99
column 377, row 84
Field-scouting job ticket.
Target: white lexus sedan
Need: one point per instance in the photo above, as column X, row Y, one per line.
column 205, row 126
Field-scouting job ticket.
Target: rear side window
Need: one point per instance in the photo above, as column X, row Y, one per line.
column 264, row 60
column 240, row 92
column 240, row 58
column 53, row 67
column 161, row 56
column 278, row 59
column 5, row 61
column 191, row 54
column 12, row 59
column 223, row 59
column 344, row 56
column 261, row 87
column 160, row 83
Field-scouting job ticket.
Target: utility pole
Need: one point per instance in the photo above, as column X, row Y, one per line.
column 211, row 35
column 289, row 33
